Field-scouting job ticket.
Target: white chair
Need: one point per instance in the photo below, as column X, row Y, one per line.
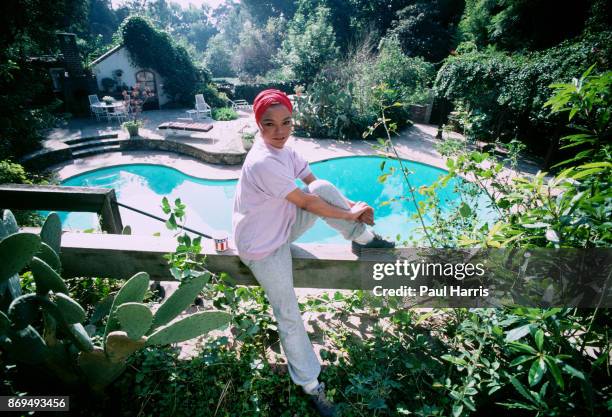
column 120, row 113
column 240, row 104
column 99, row 111
column 93, row 99
column 202, row 106
column 94, row 104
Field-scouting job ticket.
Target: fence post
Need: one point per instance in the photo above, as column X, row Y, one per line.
column 110, row 220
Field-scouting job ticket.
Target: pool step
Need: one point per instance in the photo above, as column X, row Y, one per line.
column 95, row 143
column 95, row 151
column 91, row 138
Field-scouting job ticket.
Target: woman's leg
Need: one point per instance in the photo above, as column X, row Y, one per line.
column 328, row 192
column 274, row 273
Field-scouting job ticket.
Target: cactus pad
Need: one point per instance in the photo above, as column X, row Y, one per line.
column 8, row 224
column 23, row 311
column 98, row 369
column 71, row 311
column 132, row 291
column 135, row 319
column 51, row 232
column 47, row 254
column 46, row 278
column 80, row 337
column 16, row 251
column 179, row 300
column 189, row 327
column 119, row 346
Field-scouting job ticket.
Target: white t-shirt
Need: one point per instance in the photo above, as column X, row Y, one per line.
column 263, row 217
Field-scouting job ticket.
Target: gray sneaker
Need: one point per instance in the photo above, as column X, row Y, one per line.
column 375, row 244
column 324, row 406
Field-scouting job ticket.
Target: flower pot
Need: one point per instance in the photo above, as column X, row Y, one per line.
column 132, row 130
column 247, row 144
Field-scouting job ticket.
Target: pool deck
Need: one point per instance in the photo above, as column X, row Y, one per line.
column 416, row 143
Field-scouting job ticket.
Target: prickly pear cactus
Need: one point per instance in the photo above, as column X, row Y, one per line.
column 51, row 232
column 71, row 311
column 16, row 251
column 135, row 319
column 132, row 291
column 189, row 327
column 179, row 300
column 119, row 346
column 48, row 255
column 8, row 224
column 46, row 278
column 98, row 369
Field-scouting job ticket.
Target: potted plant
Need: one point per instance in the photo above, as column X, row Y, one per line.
column 132, row 127
column 108, row 99
column 247, row 140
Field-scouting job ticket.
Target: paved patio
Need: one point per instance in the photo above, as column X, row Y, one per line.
column 416, row 143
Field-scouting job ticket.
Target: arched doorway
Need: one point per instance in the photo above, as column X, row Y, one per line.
column 146, row 79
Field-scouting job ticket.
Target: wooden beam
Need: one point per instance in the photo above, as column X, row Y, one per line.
column 61, row 198
column 121, row 256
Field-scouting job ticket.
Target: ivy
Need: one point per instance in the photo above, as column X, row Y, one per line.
column 153, row 48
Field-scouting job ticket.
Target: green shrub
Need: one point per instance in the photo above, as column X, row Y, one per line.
column 224, row 113
column 249, row 91
column 503, row 96
column 342, row 101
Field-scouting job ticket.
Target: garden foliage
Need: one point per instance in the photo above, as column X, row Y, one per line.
column 42, row 331
column 502, row 96
column 342, row 101
column 152, row 48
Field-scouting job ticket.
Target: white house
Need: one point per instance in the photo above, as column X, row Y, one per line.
column 116, row 65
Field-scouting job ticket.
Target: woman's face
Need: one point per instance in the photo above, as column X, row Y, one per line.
column 276, row 125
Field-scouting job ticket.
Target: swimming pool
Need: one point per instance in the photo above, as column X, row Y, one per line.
column 209, row 202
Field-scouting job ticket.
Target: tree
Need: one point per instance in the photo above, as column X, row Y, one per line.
column 29, row 29
column 254, row 55
column 522, row 25
column 427, row 28
column 261, row 11
column 310, row 44
column 218, row 57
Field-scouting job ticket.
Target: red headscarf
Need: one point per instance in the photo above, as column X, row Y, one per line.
column 267, row 98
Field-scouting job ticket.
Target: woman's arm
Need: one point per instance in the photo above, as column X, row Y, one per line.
column 315, row 204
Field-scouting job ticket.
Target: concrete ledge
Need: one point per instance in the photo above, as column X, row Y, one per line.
column 121, row 256
column 212, row 157
column 45, row 158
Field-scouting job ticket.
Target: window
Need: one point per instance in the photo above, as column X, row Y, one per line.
column 146, row 79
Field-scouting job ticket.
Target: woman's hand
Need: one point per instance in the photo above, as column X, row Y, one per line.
column 361, row 212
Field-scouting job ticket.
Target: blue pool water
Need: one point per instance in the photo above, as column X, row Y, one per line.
column 209, row 202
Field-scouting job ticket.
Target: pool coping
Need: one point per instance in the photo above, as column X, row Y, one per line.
column 312, row 149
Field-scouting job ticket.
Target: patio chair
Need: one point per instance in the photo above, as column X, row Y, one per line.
column 99, row 111
column 93, row 99
column 240, row 104
column 120, row 113
column 202, row 106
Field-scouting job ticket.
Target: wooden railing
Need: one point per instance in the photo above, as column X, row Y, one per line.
column 61, row 198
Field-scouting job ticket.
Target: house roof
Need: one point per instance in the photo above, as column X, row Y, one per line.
column 106, row 54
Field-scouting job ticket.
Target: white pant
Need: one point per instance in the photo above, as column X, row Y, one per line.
column 275, row 274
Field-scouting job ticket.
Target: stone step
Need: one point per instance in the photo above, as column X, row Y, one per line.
column 95, row 151
column 90, row 138
column 94, row 143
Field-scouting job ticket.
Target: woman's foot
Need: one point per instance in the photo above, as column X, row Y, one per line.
column 376, row 243
column 323, row 405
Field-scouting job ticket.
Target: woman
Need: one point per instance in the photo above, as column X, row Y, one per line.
column 270, row 212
